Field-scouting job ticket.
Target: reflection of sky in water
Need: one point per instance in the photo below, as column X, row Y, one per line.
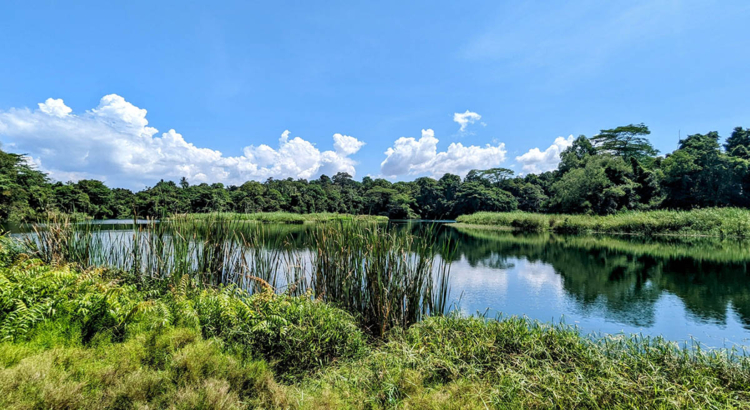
column 536, row 290
column 600, row 284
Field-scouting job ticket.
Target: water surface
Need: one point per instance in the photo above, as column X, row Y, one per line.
column 678, row 288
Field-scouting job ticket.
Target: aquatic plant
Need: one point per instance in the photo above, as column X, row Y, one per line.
column 386, row 278
column 709, row 221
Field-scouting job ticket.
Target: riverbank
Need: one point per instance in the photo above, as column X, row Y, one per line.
column 107, row 339
column 709, row 221
column 283, row 217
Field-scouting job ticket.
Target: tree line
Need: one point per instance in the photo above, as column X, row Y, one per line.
column 617, row 169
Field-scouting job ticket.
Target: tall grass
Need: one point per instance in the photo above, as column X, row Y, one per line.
column 709, row 221
column 388, row 279
column 391, row 279
column 286, row 217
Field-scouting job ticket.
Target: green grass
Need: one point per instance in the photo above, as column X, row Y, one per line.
column 286, row 217
column 108, row 339
column 386, row 278
column 709, row 221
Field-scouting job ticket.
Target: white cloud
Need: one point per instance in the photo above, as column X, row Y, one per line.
column 114, row 143
column 55, row 107
column 412, row 156
column 346, row 145
column 466, row 118
column 536, row 160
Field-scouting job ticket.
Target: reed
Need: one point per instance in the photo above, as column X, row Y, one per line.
column 286, row 217
column 390, row 279
column 733, row 222
column 386, row 278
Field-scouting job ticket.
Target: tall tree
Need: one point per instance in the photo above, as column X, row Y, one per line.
column 698, row 174
column 738, row 144
column 576, row 154
column 625, row 141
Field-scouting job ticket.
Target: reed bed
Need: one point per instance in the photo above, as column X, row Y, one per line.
column 285, row 217
column 391, row 279
column 386, row 278
column 733, row 222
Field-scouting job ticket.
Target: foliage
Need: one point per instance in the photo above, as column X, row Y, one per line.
column 386, row 278
column 199, row 347
column 627, row 142
column 295, row 334
column 457, row 362
column 284, row 217
column 709, row 221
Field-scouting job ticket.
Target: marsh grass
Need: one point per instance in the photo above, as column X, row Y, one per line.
column 709, row 221
column 386, row 278
column 285, row 217
column 458, row 362
column 391, row 279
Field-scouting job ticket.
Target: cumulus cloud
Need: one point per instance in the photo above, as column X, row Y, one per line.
column 55, row 107
column 536, row 160
column 114, row 143
column 346, row 145
column 420, row 156
column 465, row 119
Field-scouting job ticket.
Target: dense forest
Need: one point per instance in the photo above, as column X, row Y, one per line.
column 617, row 169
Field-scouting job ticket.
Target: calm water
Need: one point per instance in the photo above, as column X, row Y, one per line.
column 677, row 288
column 680, row 289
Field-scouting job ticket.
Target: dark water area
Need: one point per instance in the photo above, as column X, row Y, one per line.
column 678, row 288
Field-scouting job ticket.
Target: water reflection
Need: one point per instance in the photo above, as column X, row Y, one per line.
column 673, row 287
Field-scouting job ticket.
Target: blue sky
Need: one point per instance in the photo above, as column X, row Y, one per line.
column 230, row 79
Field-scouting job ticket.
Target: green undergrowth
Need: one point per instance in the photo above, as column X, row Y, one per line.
column 284, row 217
column 708, row 221
column 103, row 339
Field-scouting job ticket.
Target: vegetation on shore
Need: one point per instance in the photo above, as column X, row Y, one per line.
column 615, row 171
column 103, row 338
column 387, row 278
column 711, row 221
column 284, row 217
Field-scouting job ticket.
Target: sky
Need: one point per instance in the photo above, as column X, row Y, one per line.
column 136, row 92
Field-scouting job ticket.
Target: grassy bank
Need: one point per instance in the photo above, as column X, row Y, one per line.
column 284, row 217
column 709, row 221
column 108, row 339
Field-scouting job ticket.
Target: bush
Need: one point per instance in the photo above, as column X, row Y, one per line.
column 296, row 334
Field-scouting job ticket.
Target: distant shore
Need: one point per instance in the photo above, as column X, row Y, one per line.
column 733, row 222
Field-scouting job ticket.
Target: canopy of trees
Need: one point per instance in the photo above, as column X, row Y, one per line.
column 615, row 170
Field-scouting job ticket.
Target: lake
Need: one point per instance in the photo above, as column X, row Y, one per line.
column 679, row 288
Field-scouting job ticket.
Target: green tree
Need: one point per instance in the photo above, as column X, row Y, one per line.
column 576, row 155
column 698, row 174
column 100, row 198
column 25, row 193
column 626, row 142
column 475, row 196
column 602, row 186
column 738, row 144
